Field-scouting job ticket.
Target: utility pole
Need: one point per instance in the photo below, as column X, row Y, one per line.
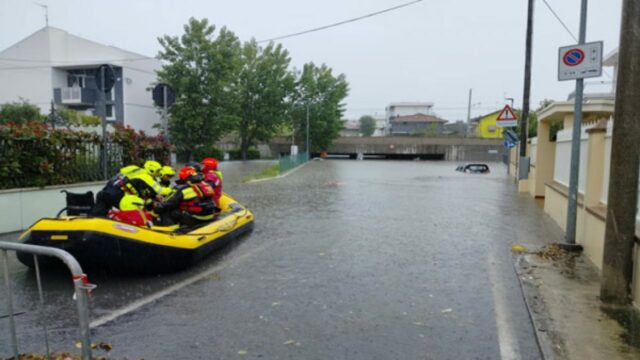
column 617, row 265
column 103, row 106
column 572, row 207
column 468, row 113
column 308, row 147
column 527, row 89
column 46, row 13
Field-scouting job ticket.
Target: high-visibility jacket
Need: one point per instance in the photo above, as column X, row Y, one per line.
column 195, row 199
column 214, row 180
column 137, row 181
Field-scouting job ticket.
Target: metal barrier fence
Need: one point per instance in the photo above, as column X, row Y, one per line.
column 289, row 162
column 82, row 289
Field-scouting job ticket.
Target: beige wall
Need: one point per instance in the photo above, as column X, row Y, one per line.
column 593, row 242
column 545, row 161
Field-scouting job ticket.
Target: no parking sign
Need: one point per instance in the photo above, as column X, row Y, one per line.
column 580, row 61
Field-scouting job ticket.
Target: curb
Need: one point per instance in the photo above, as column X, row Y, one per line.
column 279, row 176
column 540, row 327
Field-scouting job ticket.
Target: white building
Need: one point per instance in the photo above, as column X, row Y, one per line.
column 52, row 64
column 397, row 109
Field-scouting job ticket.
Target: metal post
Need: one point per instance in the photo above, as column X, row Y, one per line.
column 572, row 207
column 165, row 119
column 103, row 99
column 12, row 322
column 44, row 321
column 617, row 264
column 468, row 113
column 308, row 147
column 83, row 314
column 52, row 116
column 527, row 90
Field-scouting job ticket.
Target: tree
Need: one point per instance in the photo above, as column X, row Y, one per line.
column 19, row 112
column 263, row 88
column 533, row 118
column 201, row 67
column 320, row 93
column 367, row 125
column 73, row 118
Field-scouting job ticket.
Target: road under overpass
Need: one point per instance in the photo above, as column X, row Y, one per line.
column 450, row 149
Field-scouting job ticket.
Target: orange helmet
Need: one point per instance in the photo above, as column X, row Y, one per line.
column 210, row 163
column 186, row 172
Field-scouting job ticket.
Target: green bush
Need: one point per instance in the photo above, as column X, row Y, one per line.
column 19, row 112
column 33, row 155
column 208, row 151
column 252, row 154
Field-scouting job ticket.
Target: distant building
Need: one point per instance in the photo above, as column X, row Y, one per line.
column 417, row 124
column 485, row 126
column 396, row 109
column 381, row 126
column 351, row 128
column 458, row 128
column 52, row 64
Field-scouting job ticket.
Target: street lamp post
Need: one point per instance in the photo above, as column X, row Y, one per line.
column 308, row 147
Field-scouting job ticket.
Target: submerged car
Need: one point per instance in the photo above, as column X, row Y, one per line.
column 474, row 169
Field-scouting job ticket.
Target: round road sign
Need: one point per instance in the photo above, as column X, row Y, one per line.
column 573, row 57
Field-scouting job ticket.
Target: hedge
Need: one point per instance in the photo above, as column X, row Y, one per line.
column 33, row 155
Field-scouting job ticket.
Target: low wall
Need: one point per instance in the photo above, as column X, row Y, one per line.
column 20, row 208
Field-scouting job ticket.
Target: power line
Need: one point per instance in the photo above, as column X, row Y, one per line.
column 341, row 22
column 76, row 61
column 560, row 20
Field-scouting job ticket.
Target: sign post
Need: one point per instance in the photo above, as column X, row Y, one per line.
column 507, row 117
column 577, row 62
column 164, row 96
column 105, row 79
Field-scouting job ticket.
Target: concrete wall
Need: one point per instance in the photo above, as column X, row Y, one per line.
column 20, row 208
column 139, row 110
column 592, row 210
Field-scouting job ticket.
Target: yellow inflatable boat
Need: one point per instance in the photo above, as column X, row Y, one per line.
column 101, row 243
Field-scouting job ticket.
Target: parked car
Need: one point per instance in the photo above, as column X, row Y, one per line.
column 474, row 169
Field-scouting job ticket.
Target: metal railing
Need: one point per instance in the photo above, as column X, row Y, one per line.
column 289, row 162
column 82, row 290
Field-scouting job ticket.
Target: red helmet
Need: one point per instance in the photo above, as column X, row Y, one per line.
column 210, row 163
column 186, row 172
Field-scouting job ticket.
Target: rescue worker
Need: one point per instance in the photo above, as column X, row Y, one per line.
column 209, row 164
column 131, row 211
column 214, row 177
column 166, row 173
column 130, row 180
column 191, row 203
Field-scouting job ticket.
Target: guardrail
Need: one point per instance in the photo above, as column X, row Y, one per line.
column 80, row 282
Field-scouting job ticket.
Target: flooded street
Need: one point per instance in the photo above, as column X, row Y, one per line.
column 347, row 260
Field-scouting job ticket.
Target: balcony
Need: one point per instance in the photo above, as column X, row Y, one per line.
column 75, row 96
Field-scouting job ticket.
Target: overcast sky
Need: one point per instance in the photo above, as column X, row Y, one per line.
column 432, row 51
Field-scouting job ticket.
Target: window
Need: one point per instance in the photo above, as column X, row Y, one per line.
column 75, row 80
column 110, row 112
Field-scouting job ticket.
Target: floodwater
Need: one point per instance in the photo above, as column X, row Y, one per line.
column 348, row 260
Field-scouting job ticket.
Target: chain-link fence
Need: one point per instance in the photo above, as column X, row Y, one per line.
column 289, row 162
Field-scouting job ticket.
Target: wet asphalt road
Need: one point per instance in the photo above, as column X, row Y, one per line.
column 348, row 260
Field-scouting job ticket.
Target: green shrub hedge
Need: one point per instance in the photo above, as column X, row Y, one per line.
column 33, row 155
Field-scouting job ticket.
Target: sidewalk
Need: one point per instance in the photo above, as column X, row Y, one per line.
column 562, row 294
